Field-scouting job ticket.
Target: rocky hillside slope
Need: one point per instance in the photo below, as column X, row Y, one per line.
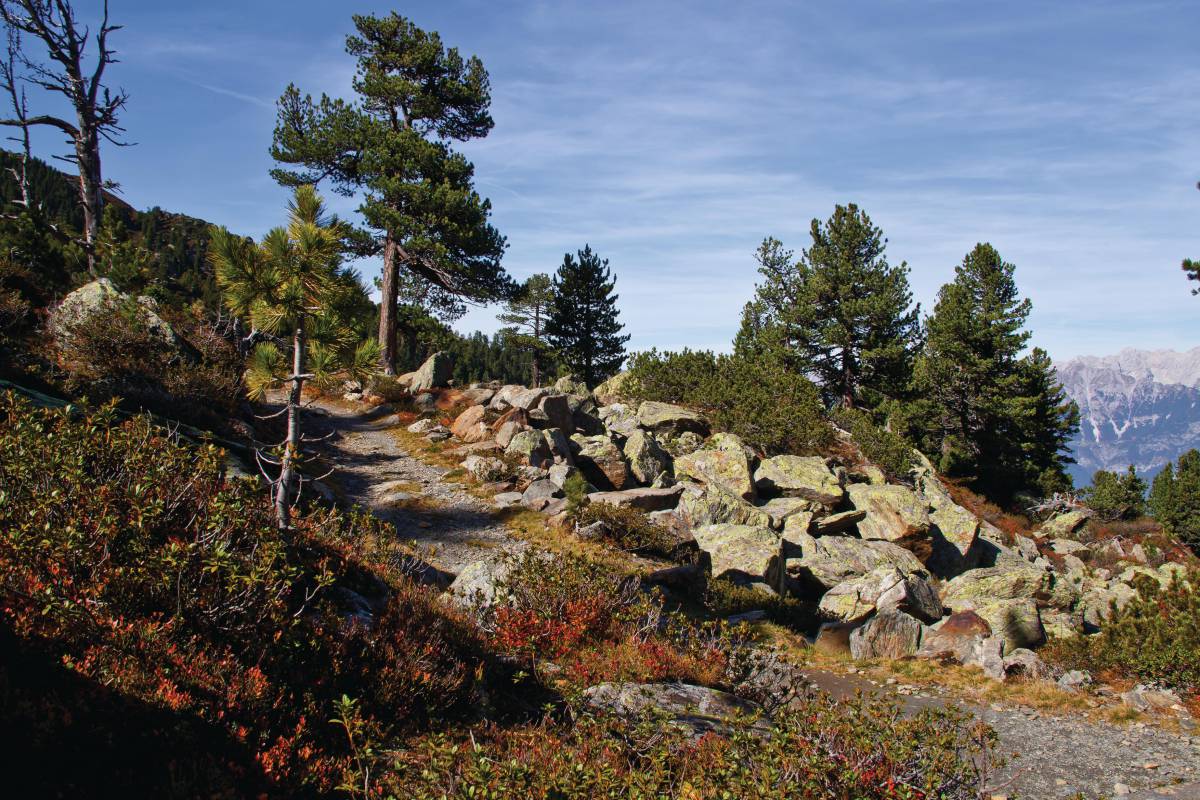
column 1136, row 407
column 894, row 569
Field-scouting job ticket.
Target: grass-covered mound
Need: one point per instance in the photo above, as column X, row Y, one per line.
column 161, row 637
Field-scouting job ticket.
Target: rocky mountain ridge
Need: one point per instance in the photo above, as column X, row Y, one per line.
column 1136, row 407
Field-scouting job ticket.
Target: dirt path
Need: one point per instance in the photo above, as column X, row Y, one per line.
column 1050, row 757
column 451, row 527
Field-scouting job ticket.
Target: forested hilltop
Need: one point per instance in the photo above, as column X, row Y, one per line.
column 267, row 530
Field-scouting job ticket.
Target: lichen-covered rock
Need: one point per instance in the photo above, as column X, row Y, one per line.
column 620, row 421
column 483, row 468
column 612, row 390
column 531, row 448
column 478, row 395
column 883, row 588
column 1097, row 602
column 816, row 565
column 894, row 514
column 470, row 426
column 100, row 294
column 559, row 444
column 726, row 469
column 647, row 459
column 670, row 419
column 842, row 522
column 783, row 509
column 695, row 709
column 434, row 373
column 1016, row 622
column 539, row 493
column 955, row 533
column 569, row 384
column 800, row 476
column 641, row 498
column 602, row 462
column 1012, row 581
column 507, row 430
column 557, row 412
column 477, row 585
column 1063, row 525
column 888, row 634
column 423, row 426
column 743, row 553
column 700, row 506
column 955, row 638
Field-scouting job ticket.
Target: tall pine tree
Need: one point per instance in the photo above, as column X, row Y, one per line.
column 843, row 311
column 583, row 327
column 525, row 318
column 1175, row 499
column 969, row 372
column 1049, row 419
column 414, row 97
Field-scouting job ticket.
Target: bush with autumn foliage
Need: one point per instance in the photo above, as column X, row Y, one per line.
column 159, row 636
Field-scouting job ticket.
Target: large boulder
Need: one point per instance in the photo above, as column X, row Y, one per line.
column 1017, row 623
column 743, row 553
column 477, row 585
column 99, row 295
column 700, row 506
column 434, row 373
column 602, row 462
column 894, row 514
column 612, row 390
column 530, row 448
column 670, row 419
column 843, row 522
column 1098, row 601
column 478, row 395
column 1012, row 581
column 483, row 469
column 559, row 444
column 800, row 476
column 527, row 399
column 647, row 459
column 888, row 634
column 619, row 420
column 883, row 588
column 726, row 469
column 569, row 384
column 796, row 513
column 697, row 710
column 816, row 565
column 470, row 426
column 956, row 637
column 955, row 531
column 555, row 410
column 641, row 498
column 1065, row 524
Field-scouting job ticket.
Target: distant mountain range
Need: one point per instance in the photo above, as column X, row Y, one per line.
column 1139, row 407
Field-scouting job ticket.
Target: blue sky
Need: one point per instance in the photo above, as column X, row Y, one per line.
column 673, row 137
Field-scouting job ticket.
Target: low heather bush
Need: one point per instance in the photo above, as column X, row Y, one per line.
column 1155, row 638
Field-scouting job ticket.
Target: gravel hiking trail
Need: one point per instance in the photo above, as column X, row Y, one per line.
column 1050, row 756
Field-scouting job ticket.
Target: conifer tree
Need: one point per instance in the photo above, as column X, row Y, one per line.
column 292, row 286
column 525, row 318
column 969, row 372
column 843, row 310
column 1175, row 499
column 583, row 327
column 414, row 97
column 1112, row 496
column 1043, row 429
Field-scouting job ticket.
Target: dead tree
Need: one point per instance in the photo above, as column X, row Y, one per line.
column 64, row 71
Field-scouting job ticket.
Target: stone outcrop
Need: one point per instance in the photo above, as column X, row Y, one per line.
column 670, row 419
column 647, row 459
column 816, row 565
column 894, row 514
column 726, row 469
column 743, row 553
column 601, row 462
column 880, row 589
column 641, row 498
column 800, row 476
column 435, row 373
column 888, row 634
column 697, row 710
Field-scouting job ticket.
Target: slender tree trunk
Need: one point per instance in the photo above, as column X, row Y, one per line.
column 287, row 473
column 91, row 196
column 847, row 378
column 537, row 345
column 387, row 307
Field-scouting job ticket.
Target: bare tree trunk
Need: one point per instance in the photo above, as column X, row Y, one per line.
column 847, row 378
column 387, row 305
column 287, row 473
column 91, row 196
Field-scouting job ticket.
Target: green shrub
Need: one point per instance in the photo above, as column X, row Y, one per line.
column 889, row 451
column 631, row 530
column 1116, row 497
column 724, row 598
column 113, row 353
column 770, row 407
column 862, row 749
column 1155, row 638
